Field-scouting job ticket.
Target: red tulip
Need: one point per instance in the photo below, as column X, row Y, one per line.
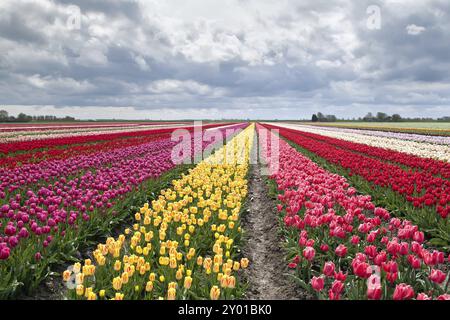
column 362, row 269
column 403, row 292
column 414, row 261
column 317, row 283
column 355, row 240
column 374, row 287
column 337, row 287
column 333, row 295
column 341, row 250
column 340, row 276
column 423, row 296
column 328, row 269
column 437, row 276
column 37, row 256
column 4, row 253
column 309, row 253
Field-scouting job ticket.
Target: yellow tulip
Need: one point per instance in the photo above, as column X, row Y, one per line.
column 231, row 282
column 214, row 293
column 244, row 263
column 79, row 278
column 77, row 267
column 80, row 290
column 66, row 275
column 171, row 294
column 179, row 274
column 92, row 296
column 149, row 286
column 117, row 283
column 187, row 282
column 119, row 296
column 87, row 292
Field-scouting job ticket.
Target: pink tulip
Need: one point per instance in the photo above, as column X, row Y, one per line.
column 403, row 292
column 423, row 296
column 317, row 283
column 309, row 253
column 4, row 253
column 437, row 276
column 328, row 269
column 341, row 250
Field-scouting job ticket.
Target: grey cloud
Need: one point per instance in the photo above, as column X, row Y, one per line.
column 297, row 55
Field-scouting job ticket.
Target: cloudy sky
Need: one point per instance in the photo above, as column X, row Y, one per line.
column 173, row 59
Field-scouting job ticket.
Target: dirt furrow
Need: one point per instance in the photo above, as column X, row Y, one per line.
column 267, row 273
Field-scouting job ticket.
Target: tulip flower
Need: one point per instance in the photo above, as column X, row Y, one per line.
column 328, row 269
column 4, row 253
column 423, row 296
column 403, row 292
column 317, row 283
column 337, row 287
column 309, row 253
column 214, row 293
column 437, row 276
column 341, row 250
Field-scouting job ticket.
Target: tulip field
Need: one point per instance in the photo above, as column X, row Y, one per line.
column 104, row 210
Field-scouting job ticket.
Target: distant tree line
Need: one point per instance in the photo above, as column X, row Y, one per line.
column 22, row 117
column 320, row 117
column 369, row 117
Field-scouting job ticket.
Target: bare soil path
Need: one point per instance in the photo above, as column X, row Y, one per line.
column 267, row 272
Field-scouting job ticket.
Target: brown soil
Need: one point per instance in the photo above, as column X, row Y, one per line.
column 267, row 274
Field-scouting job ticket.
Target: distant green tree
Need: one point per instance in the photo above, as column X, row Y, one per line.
column 321, row 117
column 22, row 117
column 4, row 115
column 396, row 117
column 381, row 116
column 369, row 117
column 314, row 118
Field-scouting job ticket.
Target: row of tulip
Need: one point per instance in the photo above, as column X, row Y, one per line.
column 6, row 137
column 13, row 147
column 50, row 208
column 183, row 245
column 445, row 140
column 420, row 196
column 342, row 246
column 418, row 129
column 62, row 153
column 420, row 149
column 432, row 166
column 79, row 125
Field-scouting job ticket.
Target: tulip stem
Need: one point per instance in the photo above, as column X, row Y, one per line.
column 448, row 282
